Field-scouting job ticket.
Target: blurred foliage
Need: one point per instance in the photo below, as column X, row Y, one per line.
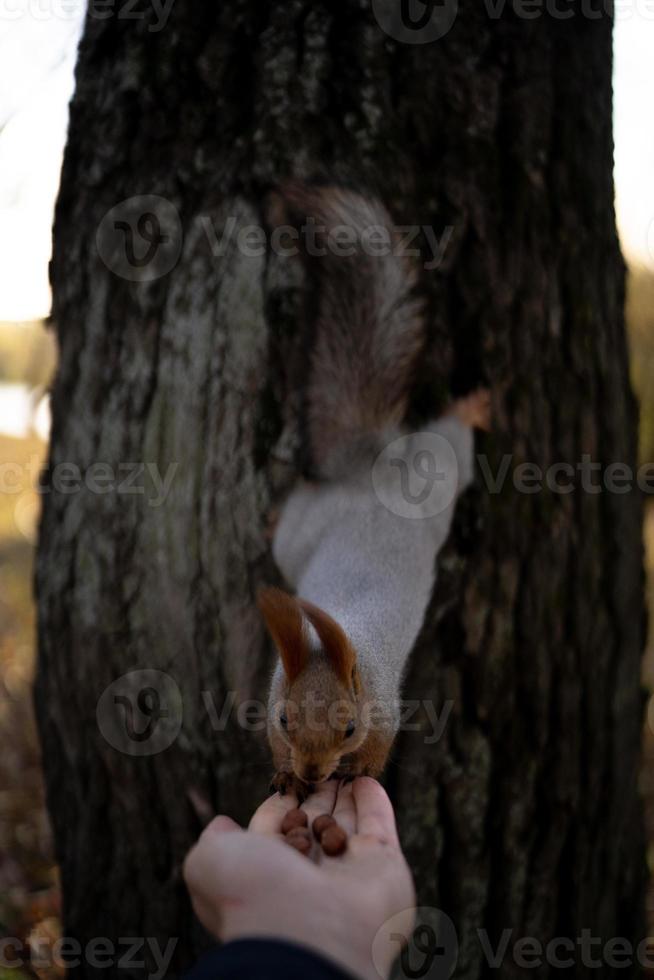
column 27, row 353
column 29, row 892
column 640, row 324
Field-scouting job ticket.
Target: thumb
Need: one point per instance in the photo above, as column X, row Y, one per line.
column 207, row 853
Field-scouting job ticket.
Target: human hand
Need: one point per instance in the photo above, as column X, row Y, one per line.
column 247, row 884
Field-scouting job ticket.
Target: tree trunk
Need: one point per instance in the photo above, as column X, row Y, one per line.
column 524, row 814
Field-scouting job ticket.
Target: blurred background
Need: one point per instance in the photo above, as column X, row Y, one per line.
column 38, row 44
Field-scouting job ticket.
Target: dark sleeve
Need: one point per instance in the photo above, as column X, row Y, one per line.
column 264, row 959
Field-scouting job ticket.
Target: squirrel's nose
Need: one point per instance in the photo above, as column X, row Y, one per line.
column 311, row 773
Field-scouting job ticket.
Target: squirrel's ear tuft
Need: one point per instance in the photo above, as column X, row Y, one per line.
column 340, row 652
column 283, row 617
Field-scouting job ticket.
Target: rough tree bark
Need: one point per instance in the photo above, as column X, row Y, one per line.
column 525, row 813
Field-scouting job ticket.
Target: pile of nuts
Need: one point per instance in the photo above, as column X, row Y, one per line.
column 327, row 832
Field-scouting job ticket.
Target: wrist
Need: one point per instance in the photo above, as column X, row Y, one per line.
column 259, row 956
column 341, row 948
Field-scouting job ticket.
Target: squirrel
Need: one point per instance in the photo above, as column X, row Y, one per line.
column 355, row 544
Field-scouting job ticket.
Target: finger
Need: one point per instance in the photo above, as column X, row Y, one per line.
column 225, row 857
column 345, row 813
column 206, row 842
column 375, row 816
column 222, row 825
column 322, row 801
column 268, row 818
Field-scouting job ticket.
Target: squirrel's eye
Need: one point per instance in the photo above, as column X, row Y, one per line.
column 283, row 721
column 349, row 731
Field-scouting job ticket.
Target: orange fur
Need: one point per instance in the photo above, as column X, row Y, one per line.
column 337, row 647
column 283, row 618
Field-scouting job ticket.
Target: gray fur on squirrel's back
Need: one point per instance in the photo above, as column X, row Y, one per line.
column 354, row 544
column 370, row 567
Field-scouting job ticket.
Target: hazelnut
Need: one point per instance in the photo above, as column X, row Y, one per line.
column 300, row 839
column 294, row 819
column 320, row 824
column 333, row 840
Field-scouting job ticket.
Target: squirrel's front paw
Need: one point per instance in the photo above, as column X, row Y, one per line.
column 284, row 782
column 367, row 763
column 474, row 409
column 348, row 772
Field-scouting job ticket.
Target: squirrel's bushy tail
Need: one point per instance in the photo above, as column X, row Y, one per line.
column 368, row 323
